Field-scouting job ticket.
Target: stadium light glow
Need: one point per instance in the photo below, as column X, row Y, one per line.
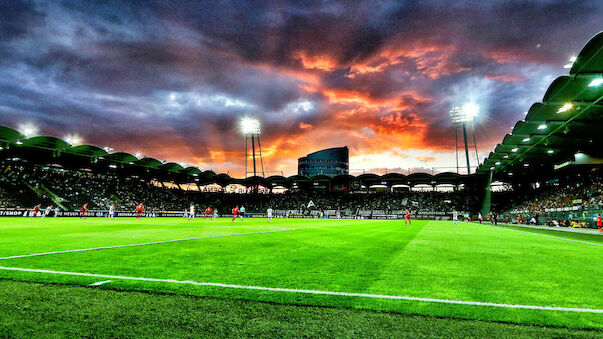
column 526, row 165
column 107, row 149
column 596, row 82
column 566, row 107
column 497, row 163
column 73, row 140
column 525, row 140
column 19, row 142
column 28, row 130
column 506, row 156
column 515, row 149
column 138, row 155
column 250, row 126
column 466, row 113
column 571, row 62
column 550, row 151
column 543, row 126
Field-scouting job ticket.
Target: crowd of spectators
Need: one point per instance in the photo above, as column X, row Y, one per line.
column 572, row 203
column 69, row 190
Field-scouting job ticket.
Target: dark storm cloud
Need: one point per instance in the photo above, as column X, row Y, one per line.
column 172, row 79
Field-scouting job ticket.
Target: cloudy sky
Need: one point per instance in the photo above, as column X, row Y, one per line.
column 172, row 79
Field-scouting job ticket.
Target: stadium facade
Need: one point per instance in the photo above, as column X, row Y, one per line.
column 330, row 162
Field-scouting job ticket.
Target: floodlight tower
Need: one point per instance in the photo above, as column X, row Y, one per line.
column 460, row 117
column 251, row 130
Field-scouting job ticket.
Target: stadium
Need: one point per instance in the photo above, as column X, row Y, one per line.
column 102, row 243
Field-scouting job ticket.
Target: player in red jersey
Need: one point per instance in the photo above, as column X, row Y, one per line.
column 519, row 218
column 139, row 210
column 207, row 213
column 84, row 211
column 234, row 213
column 599, row 222
column 407, row 218
column 37, row 209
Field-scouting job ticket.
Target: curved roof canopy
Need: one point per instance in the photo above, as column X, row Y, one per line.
column 9, row 134
column 568, row 121
column 148, row 162
column 87, row 151
column 120, row 157
column 46, row 142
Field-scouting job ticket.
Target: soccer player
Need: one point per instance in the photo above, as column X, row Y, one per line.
column 84, row 211
column 407, row 218
column 37, row 209
column 269, row 214
column 215, row 214
column 234, row 213
column 191, row 214
column 519, row 219
column 338, row 215
column 47, row 211
column 111, row 213
column 480, row 218
column 207, row 213
column 455, row 217
column 139, row 210
column 242, row 212
column 599, row 222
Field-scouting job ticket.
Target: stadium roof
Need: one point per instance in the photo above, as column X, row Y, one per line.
column 9, row 134
column 568, row 122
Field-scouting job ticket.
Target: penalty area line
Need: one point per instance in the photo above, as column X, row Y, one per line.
column 317, row 292
column 141, row 244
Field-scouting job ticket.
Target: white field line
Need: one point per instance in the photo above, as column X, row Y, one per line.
column 98, row 283
column 542, row 235
column 291, row 290
column 141, row 244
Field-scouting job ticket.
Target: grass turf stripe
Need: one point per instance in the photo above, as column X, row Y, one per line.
column 141, row 244
column 291, row 290
column 542, row 235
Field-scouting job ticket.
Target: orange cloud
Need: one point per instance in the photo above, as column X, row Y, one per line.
column 319, row 62
column 303, row 125
column 426, row 159
column 431, row 60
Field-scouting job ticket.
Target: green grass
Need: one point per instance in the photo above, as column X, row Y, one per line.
column 43, row 310
column 431, row 259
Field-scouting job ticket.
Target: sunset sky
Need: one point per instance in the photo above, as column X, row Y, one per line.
column 172, row 79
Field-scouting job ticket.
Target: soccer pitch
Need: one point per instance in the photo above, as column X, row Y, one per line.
column 432, row 268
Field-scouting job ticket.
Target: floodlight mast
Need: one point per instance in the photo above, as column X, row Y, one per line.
column 251, row 129
column 460, row 117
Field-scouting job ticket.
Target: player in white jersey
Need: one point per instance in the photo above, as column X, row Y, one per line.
column 111, row 213
column 47, row 211
column 215, row 214
column 338, row 215
column 455, row 217
column 480, row 218
column 241, row 212
column 191, row 214
column 269, row 214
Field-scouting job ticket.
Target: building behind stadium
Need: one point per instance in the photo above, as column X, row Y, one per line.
column 329, row 162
